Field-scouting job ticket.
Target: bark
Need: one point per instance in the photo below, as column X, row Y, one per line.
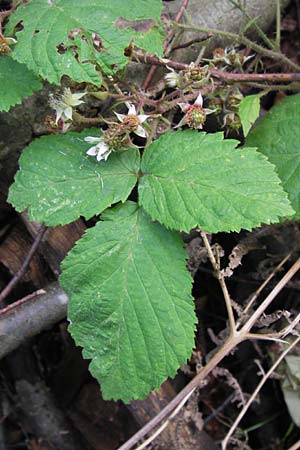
column 26, row 319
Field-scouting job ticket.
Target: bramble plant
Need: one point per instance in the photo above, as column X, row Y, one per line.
column 131, row 307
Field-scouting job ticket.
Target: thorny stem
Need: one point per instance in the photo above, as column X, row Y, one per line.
column 258, row 388
column 25, row 264
column 278, row 25
column 153, row 68
column 268, row 300
column 252, row 21
column 222, row 283
column 229, row 345
column 166, row 423
column 147, row 58
column 245, row 41
column 78, row 118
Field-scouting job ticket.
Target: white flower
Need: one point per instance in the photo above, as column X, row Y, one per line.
column 132, row 121
column 172, row 78
column 101, row 150
column 194, row 115
column 64, row 104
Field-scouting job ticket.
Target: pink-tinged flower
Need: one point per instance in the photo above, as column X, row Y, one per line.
column 101, row 150
column 194, row 115
column 132, row 121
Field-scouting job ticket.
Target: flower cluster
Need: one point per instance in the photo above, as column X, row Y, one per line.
column 117, row 134
column 63, row 106
column 230, row 56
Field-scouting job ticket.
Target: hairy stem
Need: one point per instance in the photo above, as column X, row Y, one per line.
column 277, row 56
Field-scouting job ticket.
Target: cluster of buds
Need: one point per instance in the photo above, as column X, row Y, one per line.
column 194, row 115
column 230, row 57
column 198, row 76
column 117, row 135
column 63, row 106
column 5, row 43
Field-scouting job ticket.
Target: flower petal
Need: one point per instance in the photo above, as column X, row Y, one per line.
column 59, row 113
column 140, row 132
column 209, row 111
column 131, row 109
column 92, row 139
column 68, row 112
column 184, row 106
column 199, row 100
column 93, row 151
column 142, row 117
column 120, row 116
column 181, row 123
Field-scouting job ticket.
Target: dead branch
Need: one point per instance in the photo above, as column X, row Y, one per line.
column 30, row 316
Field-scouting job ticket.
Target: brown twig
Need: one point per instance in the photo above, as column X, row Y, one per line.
column 277, row 56
column 222, row 283
column 20, row 302
column 289, row 77
column 16, row 278
column 189, row 43
column 153, row 68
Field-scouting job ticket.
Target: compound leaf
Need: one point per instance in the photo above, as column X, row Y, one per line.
column 130, row 304
column 277, row 136
column 71, row 37
column 58, row 182
column 249, row 111
column 16, row 81
column 195, row 179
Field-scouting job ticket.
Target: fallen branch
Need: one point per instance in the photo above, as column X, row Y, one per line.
column 29, row 316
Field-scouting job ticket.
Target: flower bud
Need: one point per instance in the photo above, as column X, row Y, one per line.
column 232, row 121
column 216, row 104
column 234, row 100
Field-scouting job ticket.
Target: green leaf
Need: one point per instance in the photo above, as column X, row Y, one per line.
column 196, row 179
column 58, row 182
column 249, row 111
column 16, row 81
column 130, row 308
column 58, row 37
column 277, row 136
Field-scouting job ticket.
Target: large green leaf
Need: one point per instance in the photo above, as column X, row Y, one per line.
column 130, row 308
column 58, row 182
column 277, row 136
column 195, row 179
column 57, row 36
column 16, row 83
